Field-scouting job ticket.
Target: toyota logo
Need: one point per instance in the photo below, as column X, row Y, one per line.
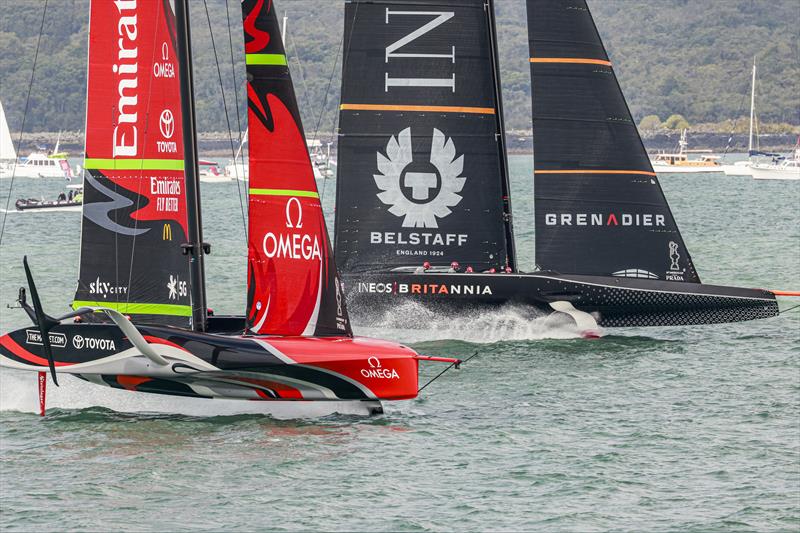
column 167, row 124
column 77, row 341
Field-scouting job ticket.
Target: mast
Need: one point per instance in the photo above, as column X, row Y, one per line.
column 752, row 108
column 195, row 248
column 501, row 139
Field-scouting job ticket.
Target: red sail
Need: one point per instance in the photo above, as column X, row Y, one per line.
column 293, row 286
column 134, row 215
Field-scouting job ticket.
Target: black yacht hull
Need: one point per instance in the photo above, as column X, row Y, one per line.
column 615, row 301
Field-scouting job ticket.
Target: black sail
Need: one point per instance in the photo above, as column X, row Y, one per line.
column 599, row 207
column 421, row 165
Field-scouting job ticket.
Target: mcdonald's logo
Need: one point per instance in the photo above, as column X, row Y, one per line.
column 166, row 232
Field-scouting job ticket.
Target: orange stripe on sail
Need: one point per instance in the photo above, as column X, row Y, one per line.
column 589, row 171
column 429, row 108
column 577, row 60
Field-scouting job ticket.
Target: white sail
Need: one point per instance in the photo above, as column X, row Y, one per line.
column 6, row 145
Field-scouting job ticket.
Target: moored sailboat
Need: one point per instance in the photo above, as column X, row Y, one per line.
column 423, row 206
column 141, row 321
column 8, row 155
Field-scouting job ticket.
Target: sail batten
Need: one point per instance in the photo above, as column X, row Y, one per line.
column 598, row 205
column 293, row 286
column 134, row 206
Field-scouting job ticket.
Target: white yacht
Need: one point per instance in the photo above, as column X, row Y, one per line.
column 780, row 168
column 743, row 168
column 36, row 165
column 40, row 165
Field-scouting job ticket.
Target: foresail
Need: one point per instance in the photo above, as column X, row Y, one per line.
column 293, row 286
column 7, row 152
column 134, row 207
column 420, row 166
column 599, row 207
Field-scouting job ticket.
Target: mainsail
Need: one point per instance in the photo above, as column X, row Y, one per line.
column 599, row 207
column 7, row 151
column 421, row 165
column 293, row 286
column 134, row 213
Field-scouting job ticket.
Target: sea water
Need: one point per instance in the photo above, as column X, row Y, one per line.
column 694, row 428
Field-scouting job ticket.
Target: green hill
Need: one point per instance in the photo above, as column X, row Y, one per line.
column 672, row 56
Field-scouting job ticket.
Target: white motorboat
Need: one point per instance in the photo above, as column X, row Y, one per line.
column 211, row 173
column 40, row 165
column 739, row 168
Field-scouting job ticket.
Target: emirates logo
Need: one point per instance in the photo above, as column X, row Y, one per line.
column 420, row 192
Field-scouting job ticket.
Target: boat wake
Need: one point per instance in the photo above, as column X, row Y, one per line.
column 412, row 322
column 18, row 392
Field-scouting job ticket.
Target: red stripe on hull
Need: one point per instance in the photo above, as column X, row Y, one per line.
column 8, row 343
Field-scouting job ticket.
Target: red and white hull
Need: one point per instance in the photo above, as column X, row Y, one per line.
column 207, row 365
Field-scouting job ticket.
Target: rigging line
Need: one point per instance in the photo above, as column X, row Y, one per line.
column 733, row 126
column 790, row 309
column 233, row 74
column 440, row 374
column 225, row 105
column 302, row 76
column 139, row 186
column 343, row 51
column 238, row 116
column 24, row 117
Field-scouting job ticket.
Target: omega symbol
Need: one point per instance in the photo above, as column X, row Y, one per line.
column 299, row 223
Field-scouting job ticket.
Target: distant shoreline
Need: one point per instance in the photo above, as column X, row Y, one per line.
column 217, row 144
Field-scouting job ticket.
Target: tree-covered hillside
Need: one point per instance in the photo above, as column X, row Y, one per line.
column 672, row 56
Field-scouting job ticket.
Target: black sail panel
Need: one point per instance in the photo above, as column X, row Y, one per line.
column 419, row 163
column 599, row 207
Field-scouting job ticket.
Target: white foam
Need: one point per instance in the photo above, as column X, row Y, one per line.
column 18, row 392
column 412, row 322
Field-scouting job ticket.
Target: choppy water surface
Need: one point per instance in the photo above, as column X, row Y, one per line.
column 645, row 429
